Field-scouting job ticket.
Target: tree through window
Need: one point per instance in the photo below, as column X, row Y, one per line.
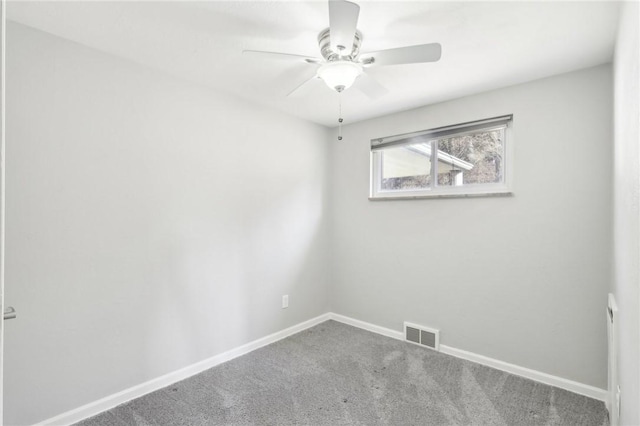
column 463, row 159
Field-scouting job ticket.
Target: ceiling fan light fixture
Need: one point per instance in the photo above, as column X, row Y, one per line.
column 339, row 75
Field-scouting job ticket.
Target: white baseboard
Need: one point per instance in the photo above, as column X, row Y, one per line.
column 142, row 389
column 538, row 376
column 367, row 326
column 126, row 395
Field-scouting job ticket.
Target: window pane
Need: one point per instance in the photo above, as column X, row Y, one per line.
column 469, row 159
column 406, row 167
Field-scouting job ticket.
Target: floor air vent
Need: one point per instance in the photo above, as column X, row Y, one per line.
column 422, row 336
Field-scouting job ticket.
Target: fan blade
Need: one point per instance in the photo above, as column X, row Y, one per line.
column 403, row 55
column 304, row 87
column 281, row 56
column 343, row 20
column 370, row 86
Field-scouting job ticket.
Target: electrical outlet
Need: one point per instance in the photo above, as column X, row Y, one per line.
column 285, row 301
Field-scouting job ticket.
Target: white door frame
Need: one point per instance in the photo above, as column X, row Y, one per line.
column 3, row 29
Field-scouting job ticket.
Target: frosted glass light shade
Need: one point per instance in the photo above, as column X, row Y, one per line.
column 339, row 75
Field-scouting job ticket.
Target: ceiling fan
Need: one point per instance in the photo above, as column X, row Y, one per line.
column 342, row 63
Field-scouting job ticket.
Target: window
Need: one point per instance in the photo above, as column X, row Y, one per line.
column 461, row 160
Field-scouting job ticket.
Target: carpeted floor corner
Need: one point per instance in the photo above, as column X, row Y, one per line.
column 335, row 374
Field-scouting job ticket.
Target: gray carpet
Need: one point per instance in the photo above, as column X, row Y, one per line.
column 335, row 374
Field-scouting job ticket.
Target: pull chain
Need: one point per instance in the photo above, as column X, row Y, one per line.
column 339, row 116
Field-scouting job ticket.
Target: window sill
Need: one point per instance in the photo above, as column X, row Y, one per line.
column 445, row 195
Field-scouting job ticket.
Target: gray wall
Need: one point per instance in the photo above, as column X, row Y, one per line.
column 626, row 184
column 520, row 279
column 151, row 224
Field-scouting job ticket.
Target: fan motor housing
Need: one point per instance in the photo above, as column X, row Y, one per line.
column 324, row 41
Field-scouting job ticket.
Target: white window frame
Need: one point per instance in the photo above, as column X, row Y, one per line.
column 503, row 188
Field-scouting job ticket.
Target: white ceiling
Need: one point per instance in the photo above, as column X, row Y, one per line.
column 485, row 45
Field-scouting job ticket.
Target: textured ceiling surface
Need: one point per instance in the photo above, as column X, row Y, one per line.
column 485, row 45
